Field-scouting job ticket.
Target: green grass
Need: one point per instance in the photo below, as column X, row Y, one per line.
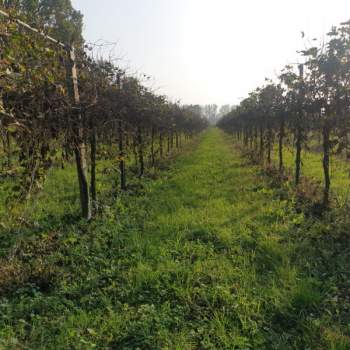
column 312, row 168
column 207, row 256
column 57, row 202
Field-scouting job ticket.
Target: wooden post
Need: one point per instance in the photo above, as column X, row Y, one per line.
column 78, row 132
column 121, row 156
column 93, row 151
column 280, row 145
column 140, row 149
column 325, row 162
column 152, row 147
column 168, row 140
column 299, row 132
column 261, row 151
column 171, row 139
column 161, row 144
column 269, row 144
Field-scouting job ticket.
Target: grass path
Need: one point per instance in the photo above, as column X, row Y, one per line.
column 201, row 261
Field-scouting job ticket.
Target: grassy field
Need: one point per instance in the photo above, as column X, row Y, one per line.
column 207, row 255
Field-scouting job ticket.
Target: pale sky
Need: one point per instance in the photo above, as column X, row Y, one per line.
column 209, row 51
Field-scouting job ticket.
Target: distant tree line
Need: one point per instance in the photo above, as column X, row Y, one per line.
column 213, row 113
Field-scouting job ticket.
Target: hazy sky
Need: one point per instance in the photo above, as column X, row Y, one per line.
column 209, row 51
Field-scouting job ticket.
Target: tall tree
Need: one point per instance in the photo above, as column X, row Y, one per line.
column 210, row 112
